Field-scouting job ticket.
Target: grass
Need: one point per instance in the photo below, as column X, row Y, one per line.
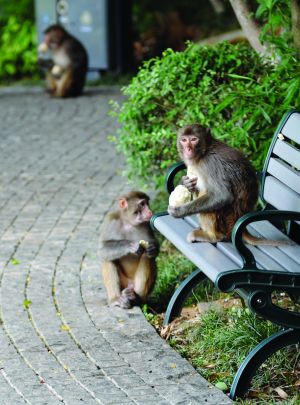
column 217, row 344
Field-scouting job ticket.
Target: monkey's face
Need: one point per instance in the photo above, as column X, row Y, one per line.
column 54, row 38
column 135, row 211
column 189, row 146
column 141, row 212
column 192, row 141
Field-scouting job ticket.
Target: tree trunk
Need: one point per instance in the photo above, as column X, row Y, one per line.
column 248, row 24
column 295, row 11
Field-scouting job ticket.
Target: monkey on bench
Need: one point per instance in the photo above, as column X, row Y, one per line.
column 224, row 186
column 128, row 250
column 66, row 71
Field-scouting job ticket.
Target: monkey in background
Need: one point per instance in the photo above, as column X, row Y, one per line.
column 225, row 186
column 67, row 69
column 127, row 251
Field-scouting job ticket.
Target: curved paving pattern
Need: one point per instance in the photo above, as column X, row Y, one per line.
column 59, row 342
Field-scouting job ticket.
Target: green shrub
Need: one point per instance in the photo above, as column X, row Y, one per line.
column 21, row 9
column 18, row 56
column 227, row 87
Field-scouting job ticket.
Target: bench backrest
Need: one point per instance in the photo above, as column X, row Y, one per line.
column 281, row 174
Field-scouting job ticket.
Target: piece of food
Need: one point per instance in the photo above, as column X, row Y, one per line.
column 179, row 196
column 43, row 47
column 56, row 70
column 144, row 243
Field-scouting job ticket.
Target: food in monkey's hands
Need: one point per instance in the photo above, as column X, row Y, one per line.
column 144, row 243
column 179, row 196
column 43, row 47
column 57, row 70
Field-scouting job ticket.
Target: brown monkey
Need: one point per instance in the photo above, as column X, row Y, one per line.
column 127, row 251
column 66, row 74
column 224, row 186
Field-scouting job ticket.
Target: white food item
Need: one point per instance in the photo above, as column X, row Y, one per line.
column 43, row 47
column 144, row 243
column 179, row 196
column 56, row 70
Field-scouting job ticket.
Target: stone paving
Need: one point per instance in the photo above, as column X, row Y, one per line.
column 59, row 341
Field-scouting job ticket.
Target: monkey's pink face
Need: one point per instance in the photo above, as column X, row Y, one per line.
column 136, row 211
column 142, row 212
column 189, row 145
column 53, row 40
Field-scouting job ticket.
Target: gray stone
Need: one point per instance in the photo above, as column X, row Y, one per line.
column 59, row 341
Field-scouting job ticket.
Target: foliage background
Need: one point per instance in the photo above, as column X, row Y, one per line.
column 229, row 88
column 18, row 56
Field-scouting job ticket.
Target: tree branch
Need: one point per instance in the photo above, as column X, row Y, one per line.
column 248, row 25
column 295, row 11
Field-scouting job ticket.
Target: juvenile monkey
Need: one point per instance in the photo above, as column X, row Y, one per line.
column 127, row 251
column 67, row 70
column 224, row 186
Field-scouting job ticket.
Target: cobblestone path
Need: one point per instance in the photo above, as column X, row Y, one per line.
column 59, row 342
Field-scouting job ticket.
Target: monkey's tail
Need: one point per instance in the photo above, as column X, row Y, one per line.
column 252, row 240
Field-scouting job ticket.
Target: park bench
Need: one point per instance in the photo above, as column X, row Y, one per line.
column 254, row 272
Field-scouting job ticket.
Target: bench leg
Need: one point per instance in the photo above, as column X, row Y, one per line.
column 258, row 356
column 180, row 295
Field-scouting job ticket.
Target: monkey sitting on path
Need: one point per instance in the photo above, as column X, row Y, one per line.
column 127, row 251
column 67, row 70
column 224, row 186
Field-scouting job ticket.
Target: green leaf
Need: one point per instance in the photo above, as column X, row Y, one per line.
column 14, row 261
column 266, row 115
column 235, row 76
column 26, row 303
column 221, row 385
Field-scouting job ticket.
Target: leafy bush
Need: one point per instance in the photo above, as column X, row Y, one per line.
column 227, row 87
column 18, row 56
column 21, row 9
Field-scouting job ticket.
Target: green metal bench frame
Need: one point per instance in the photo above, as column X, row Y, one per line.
column 253, row 285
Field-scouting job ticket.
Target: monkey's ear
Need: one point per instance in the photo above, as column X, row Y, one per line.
column 123, row 204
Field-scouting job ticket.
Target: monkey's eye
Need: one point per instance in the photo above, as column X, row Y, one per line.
column 194, row 139
column 184, row 140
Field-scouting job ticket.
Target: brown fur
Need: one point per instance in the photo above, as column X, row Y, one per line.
column 226, row 188
column 128, row 271
column 74, row 67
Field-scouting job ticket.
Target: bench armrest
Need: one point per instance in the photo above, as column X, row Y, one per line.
column 173, row 170
column 240, row 225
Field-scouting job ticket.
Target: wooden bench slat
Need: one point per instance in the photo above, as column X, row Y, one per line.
column 269, row 231
column 281, row 196
column 264, row 256
column 291, row 128
column 204, row 255
column 288, row 153
column 263, row 261
column 229, row 250
column 215, row 259
column 285, row 173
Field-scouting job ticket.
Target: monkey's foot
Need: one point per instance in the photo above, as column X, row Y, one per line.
column 129, row 294
column 199, row 236
column 122, row 302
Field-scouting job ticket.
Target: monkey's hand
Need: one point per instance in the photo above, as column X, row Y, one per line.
column 177, row 212
column 136, row 248
column 189, row 183
column 152, row 249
